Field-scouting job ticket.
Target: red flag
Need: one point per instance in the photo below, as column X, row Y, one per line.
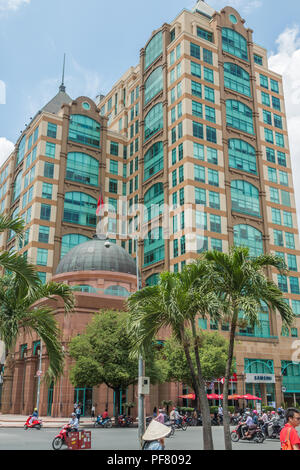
column 100, row 205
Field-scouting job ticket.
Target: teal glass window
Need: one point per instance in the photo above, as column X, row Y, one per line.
column 197, row 109
column 182, row 245
column 84, row 130
column 48, row 170
column 113, row 167
column 154, row 160
column 283, row 178
column 195, row 50
column 272, row 175
column 282, row 283
column 172, row 35
column 208, row 75
column 214, row 200
column 234, row 43
column 196, row 89
column 215, row 223
column 114, row 148
column 207, row 35
column 209, row 94
column 42, row 277
column 154, row 121
column 198, row 151
column 199, row 173
column 246, row 235
column 202, row 324
column 264, row 81
column 200, row 196
column 44, row 233
column 154, row 247
column 207, row 56
column 285, row 198
column 281, row 158
column 242, row 156
column 213, row 177
column 274, row 195
column 153, row 201
column 278, row 238
column 42, row 257
column 82, row 168
column 154, row 84
column 265, row 99
column 154, row 49
column 279, row 139
column 45, row 212
column 80, row 209
column 287, row 219
column 47, row 191
column 202, row 244
column 216, row 244
column 50, row 150
column 296, row 307
column 51, row 130
column 212, row 155
column 210, row 114
column 292, row 262
column 276, row 216
column 290, row 241
column 278, row 121
column 237, row 79
column 197, row 130
column 35, row 135
column 276, row 103
column 274, row 86
column 245, row 198
column 211, row 134
column 239, row 116
column 270, row 155
column 116, row 291
column 258, row 59
column 195, row 69
column 17, row 186
column 267, row 117
column 70, row 241
column 21, row 150
column 152, row 280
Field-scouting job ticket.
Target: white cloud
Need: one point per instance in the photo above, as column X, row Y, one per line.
column 242, row 6
column 286, row 62
column 6, row 147
column 13, row 5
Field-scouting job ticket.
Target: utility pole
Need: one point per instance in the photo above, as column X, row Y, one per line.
column 141, row 402
column 39, row 378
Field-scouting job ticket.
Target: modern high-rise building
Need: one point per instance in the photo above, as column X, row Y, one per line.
column 196, row 135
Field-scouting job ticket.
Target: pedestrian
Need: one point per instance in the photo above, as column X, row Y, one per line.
column 78, row 411
column 289, row 437
column 93, row 411
column 160, row 418
column 155, row 412
column 154, row 436
column 75, row 406
column 195, row 418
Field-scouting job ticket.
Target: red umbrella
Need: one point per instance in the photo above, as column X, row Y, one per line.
column 250, row 397
column 213, row 396
column 191, row 396
column 235, row 397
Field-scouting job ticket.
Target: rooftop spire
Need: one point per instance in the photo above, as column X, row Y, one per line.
column 62, row 86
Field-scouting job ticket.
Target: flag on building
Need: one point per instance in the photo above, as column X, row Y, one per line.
column 100, row 206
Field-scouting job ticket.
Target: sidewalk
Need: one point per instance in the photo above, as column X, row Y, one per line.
column 17, row 421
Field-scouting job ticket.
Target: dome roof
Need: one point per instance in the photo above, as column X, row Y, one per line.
column 95, row 256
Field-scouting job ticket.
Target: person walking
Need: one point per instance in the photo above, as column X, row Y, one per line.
column 154, row 436
column 289, row 437
column 78, row 411
column 161, row 417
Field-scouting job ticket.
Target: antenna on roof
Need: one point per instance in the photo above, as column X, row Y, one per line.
column 62, row 86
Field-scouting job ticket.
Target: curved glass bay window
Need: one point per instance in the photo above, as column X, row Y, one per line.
column 237, row 79
column 246, row 235
column 239, row 116
column 70, row 241
column 242, row 156
column 245, row 198
column 152, row 280
column 154, row 121
column 154, row 49
column 80, row 209
column 116, row 291
column 82, row 168
column 84, row 130
column 17, row 186
column 154, row 247
column 234, row 43
column 154, row 160
column 154, row 84
column 21, row 151
column 153, row 202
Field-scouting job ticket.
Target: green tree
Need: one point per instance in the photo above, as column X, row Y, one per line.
column 12, row 261
column 213, row 349
column 175, row 303
column 20, row 312
column 102, row 355
column 242, row 285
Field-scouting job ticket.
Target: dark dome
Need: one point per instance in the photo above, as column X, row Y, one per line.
column 95, row 256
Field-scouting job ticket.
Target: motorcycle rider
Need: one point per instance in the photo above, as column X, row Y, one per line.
column 73, row 423
column 248, row 426
column 34, row 416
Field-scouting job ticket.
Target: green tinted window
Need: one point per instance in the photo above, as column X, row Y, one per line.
column 237, row 79
column 70, row 241
column 245, row 198
column 154, row 160
column 154, row 84
column 82, row 168
column 84, row 130
column 80, row 209
column 234, row 43
column 239, row 116
column 246, row 235
column 242, row 156
column 154, row 49
column 154, row 121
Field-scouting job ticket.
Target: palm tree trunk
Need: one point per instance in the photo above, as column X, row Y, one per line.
column 227, row 438
column 207, row 429
column 201, row 392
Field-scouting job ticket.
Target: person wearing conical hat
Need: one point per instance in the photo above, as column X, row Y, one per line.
column 154, row 436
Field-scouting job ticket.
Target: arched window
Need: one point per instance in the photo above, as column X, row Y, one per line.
column 70, row 241
column 154, row 247
column 239, row 116
column 234, row 43
column 116, row 291
column 154, row 84
column 86, row 289
column 154, row 121
column 84, row 130
column 154, row 49
column 82, row 168
column 245, row 198
column 237, row 79
column 242, row 156
column 153, row 202
column 80, row 209
column 154, row 160
column 246, row 235
column 152, row 280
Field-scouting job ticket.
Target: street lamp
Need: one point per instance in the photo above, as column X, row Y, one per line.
column 39, row 378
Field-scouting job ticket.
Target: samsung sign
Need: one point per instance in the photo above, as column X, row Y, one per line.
column 260, row 378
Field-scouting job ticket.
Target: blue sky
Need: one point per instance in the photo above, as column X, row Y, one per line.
column 102, row 40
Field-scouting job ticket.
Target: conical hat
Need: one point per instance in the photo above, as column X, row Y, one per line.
column 156, row 431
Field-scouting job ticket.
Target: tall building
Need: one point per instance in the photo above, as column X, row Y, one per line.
column 190, row 149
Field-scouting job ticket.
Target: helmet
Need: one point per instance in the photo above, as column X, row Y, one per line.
column 248, row 413
column 255, row 412
column 35, row 409
column 273, row 412
column 73, row 414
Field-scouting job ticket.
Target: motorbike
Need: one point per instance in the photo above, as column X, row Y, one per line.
column 61, row 438
column 256, row 436
column 102, row 423
column 124, row 421
column 180, row 424
column 36, row 424
column 272, row 429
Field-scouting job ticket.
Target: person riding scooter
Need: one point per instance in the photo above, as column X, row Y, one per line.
column 34, row 416
column 73, row 423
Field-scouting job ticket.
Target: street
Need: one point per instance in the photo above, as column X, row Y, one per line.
column 121, row 439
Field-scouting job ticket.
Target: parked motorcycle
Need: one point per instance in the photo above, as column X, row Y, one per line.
column 103, row 423
column 124, row 421
column 256, row 435
column 36, row 424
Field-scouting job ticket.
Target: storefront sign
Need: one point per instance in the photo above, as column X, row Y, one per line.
column 260, row 378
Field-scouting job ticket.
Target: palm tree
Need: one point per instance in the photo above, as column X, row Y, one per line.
column 242, row 284
column 21, row 310
column 12, row 261
column 173, row 303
